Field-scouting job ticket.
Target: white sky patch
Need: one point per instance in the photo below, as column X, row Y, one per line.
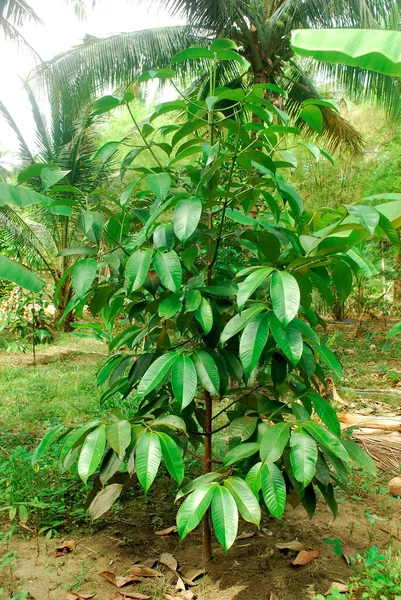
column 62, row 30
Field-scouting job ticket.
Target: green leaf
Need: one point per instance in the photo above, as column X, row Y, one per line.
column 168, row 268
column 163, row 237
column 137, row 267
column 91, row 453
column 307, row 331
column 170, row 306
column 367, row 216
column 250, row 285
column 105, row 104
column 224, row 516
column 207, row 371
column 285, row 296
column 193, row 508
column 240, row 452
column 184, row 380
column 172, row 457
column 237, row 323
column 292, row 197
column 156, row 373
column 51, row 436
column 193, row 53
column 288, row 339
column 243, row 427
column 245, row 500
column 326, row 413
column 375, row 50
column 253, row 479
column 51, row 177
column 204, row 315
column 273, row 489
column 330, row 359
column 78, row 250
column 16, row 273
column 360, row 457
column 147, row 459
column 159, row 184
column 222, row 43
column 394, row 330
column 173, row 421
column 273, row 442
column 326, row 439
column 193, row 298
column 312, row 115
column 118, row 435
column 303, row 456
column 83, row 275
column 75, row 437
column 199, row 481
column 186, row 217
column 342, row 279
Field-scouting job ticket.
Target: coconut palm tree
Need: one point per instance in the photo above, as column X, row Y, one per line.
column 261, row 29
column 37, row 237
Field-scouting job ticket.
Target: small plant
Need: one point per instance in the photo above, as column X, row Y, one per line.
column 336, row 544
column 335, row 594
column 377, row 576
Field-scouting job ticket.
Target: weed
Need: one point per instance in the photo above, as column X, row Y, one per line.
column 377, row 576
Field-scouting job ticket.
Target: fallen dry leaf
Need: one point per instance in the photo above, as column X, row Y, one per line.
column 273, row 596
column 140, row 571
column 74, row 595
column 136, row 595
column 195, row 574
column 169, row 561
column 245, row 535
column 180, row 585
column 150, row 562
column 305, row 557
column 119, row 580
column 187, row 595
column 65, row 548
column 295, row 545
column 341, row 587
column 168, row 531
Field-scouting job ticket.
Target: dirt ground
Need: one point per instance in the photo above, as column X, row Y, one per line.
column 253, row 569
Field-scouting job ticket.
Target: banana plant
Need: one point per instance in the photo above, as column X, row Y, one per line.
column 214, row 324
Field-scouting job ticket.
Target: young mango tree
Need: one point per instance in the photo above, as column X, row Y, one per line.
column 214, row 320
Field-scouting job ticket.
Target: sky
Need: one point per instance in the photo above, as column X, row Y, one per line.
column 60, row 31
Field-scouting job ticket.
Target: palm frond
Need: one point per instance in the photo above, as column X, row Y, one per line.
column 337, row 132
column 43, row 142
column 18, row 12
column 24, row 151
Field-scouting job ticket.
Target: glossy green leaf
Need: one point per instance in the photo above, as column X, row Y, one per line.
column 394, row 330
column 170, row 306
column 285, row 296
column 273, row 442
column 138, row 266
column 168, row 268
column 288, row 339
column 172, row 421
column 366, row 215
column 326, row 413
column 253, row 479
column 163, row 237
column 204, row 315
column 360, row 457
column 329, row 359
column 76, row 436
column 224, row 516
column 159, row 184
column 16, row 273
column 184, row 380
column 250, row 285
column 172, row 457
column 303, row 456
column 91, row 453
column 193, row 508
column 192, row 53
column 237, row 323
column 118, row 435
column 240, row 452
column 48, row 440
column 51, row 177
column 198, row 482
column 326, row 439
column 156, row 373
column 83, row 275
column 273, row 489
column 147, row 458
column 193, row 298
column 312, row 115
column 186, row 217
column 105, row 104
column 243, row 427
column 207, row 371
column 245, row 500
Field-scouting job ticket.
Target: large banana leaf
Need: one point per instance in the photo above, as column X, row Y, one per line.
column 375, row 50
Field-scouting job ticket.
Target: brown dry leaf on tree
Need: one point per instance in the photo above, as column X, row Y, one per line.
column 168, row 531
column 295, row 545
column 305, row 557
column 139, row 571
column 65, row 548
column 119, row 580
column 169, row 561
